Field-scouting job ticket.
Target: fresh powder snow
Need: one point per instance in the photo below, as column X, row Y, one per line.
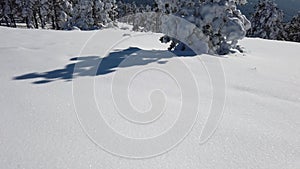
column 39, row 126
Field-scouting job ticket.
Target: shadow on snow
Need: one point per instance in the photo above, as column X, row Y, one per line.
column 86, row 66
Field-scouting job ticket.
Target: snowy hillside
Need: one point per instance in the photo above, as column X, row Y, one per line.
column 40, row 104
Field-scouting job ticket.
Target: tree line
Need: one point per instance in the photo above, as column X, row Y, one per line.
column 266, row 21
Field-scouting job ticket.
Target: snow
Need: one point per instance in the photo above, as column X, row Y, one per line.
column 39, row 128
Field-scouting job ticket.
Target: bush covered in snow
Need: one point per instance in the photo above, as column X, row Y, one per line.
column 219, row 23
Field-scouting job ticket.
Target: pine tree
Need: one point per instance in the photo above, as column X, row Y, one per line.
column 111, row 9
column 44, row 12
column 7, row 12
column 93, row 14
column 82, row 15
column 1, row 12
column 293, row 29
column 26, row 7
column 60, row 13
column 267, row 21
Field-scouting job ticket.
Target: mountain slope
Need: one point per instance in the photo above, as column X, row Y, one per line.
column 39, row 127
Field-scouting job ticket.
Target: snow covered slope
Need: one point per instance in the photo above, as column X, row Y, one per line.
column 39, row 128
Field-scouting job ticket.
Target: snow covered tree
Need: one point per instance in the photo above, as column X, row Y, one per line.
column 110, row 8
column 26, row 7
column 267, row 21
column 219, row 24
column 121, row 9
column 82, row 15
column 293, row 29
column 93, row 14
column 44, row 12
column 126, row 12
column 1, row 12
column 7, row 12
column 32, row 12
column 60, row 13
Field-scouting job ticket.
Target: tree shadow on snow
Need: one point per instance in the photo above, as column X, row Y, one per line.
column 86, row 66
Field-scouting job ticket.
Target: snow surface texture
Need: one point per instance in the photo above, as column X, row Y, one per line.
column 39, row 126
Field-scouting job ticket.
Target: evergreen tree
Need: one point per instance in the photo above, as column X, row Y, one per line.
column 293, row 29
column 267, row 21
column 61, row 11
column 60, row 14
column 111, row 9
column 93, row 14
column 7, row 12
column 26, row 7
column 82, row 15
column 44, row 12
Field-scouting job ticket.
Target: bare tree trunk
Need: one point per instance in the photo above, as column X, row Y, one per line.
column 41, row 19
column 56, row 20
column 7, row 23
column 55, row 17
column 36, row 25
column 53, row 22
column 52, row 14
column 13, row 21
column 27, row 22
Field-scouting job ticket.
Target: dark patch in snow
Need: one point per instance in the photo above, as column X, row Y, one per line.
column 85, row 65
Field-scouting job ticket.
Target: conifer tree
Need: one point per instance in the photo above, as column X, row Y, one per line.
column 293, row 29
column 267, row 21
